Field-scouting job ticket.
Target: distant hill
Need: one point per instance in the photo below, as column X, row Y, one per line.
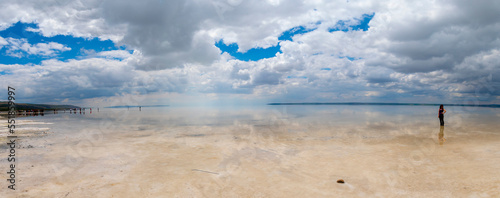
column 4, row 106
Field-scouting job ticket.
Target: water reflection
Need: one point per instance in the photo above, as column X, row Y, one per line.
column 441, row 136
column 323, row 122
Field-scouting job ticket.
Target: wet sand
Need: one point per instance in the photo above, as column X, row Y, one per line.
column 292, row 157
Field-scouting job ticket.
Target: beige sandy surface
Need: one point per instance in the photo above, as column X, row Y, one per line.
column 258, row 160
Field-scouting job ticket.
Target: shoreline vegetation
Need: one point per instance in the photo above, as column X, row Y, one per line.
column 377, row 103
column 4, row 106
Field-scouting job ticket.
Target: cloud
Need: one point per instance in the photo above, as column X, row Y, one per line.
column 266, row 77
column 412, row 51
column 168, row 33
column 438, row 35
column 372, row 93
column 20, row 48
column 120, row 54
column 72, row 79
column 379, row 75
column 3, row 42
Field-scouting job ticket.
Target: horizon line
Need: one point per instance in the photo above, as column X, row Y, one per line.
column 383, row 103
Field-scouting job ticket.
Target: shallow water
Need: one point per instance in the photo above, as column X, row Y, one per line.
column 288, row 116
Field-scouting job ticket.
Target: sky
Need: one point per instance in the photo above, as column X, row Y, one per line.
column 212, row 52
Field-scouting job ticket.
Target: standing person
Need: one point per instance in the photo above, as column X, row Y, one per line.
column 442, row 111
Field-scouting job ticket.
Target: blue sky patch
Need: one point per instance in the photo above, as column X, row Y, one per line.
column 253, row 54
column 19, row 34
column 287, row 35
column 326, row 69
column 360, row 24
column 349, row 58
column 4, row 72
column 302, row 77
column 256, row 54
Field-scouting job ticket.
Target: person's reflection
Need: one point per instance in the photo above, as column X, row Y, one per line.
column 441, row 136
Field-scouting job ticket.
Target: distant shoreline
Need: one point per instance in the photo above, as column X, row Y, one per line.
column 4, row 106
column 380, row 103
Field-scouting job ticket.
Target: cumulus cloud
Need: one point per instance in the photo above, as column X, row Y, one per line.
column 73, row 79
column 412, row 51
column 61, row 17
column 3, row 42
column 168, row 33
column 438, row 35
column 21, row 47
column 121, row 54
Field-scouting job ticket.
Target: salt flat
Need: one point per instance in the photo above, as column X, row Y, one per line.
column 260, row 152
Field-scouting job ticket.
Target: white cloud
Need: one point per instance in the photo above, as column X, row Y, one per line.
column 44, row 49
column 20, row 47
column 372, row 93
column 122, row 54
column 3, row 42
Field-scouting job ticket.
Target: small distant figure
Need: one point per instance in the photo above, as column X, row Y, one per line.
column 97, row 109
column 139, row 108
column 442, row 111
